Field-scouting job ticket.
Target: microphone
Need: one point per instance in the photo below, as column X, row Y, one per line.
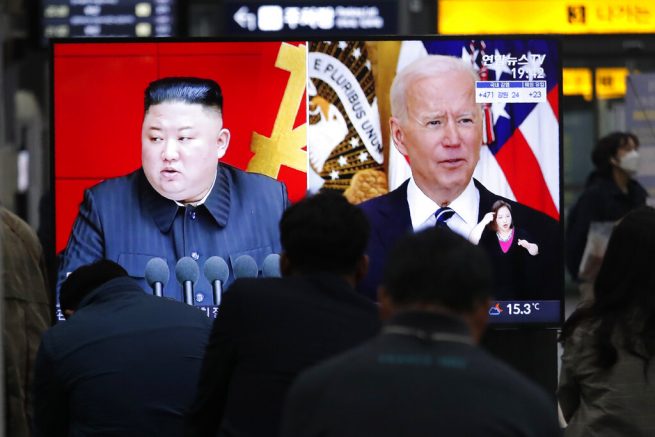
column 216, row 271
column 157, row 274
column 245, row 267
column 271, row 266
column 186, row 271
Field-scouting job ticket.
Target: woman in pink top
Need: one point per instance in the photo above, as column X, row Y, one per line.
column 511, row 252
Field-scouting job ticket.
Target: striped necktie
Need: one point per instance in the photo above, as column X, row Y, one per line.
column 443, row 215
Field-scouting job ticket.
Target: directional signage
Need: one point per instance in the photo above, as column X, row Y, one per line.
column 373, row 17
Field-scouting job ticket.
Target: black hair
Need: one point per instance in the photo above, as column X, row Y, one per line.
column 84, row 280
column 605, row 149
column 437, row 266
column 624, row 292
column 184, row 89
column 324, row 233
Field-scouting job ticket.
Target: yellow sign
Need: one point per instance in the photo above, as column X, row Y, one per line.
column 610, row 82
column 577, row 82
column 545, row 16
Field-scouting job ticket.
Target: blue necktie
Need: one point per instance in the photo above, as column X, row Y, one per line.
column 442, row 215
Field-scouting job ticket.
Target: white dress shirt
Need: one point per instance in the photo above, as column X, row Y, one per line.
column 422, row 209
column 201, row 201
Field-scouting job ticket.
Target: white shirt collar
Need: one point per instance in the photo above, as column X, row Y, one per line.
column 201, row 201
column 422, row 209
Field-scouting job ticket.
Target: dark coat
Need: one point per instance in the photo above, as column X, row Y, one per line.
column 26, row 310
column 601, row 201
column 125, row 364
column 267, row 331
column 401, row 385
column 125, row 220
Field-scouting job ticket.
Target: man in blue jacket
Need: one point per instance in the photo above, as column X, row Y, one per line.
column 181, row 202
column 125, row 363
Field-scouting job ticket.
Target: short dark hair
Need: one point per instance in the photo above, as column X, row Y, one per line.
column 184, row 89
column 606, row 148
column 324, row 233
column 86, row 279
column 437, row 266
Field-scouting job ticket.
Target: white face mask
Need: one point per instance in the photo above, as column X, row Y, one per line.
column 630, row 162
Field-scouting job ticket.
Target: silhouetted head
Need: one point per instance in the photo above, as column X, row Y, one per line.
column 437, row 270
column 84, row 280
column 324, row 233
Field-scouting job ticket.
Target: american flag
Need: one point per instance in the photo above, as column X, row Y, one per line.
column 521, row 157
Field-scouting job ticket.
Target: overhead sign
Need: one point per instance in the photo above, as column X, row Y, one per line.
column 610, row 82
column 99, row 18
column 577, row 82
column 545, row 16
column 373, row 17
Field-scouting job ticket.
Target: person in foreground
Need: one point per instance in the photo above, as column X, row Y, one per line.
column 26, row 312
column 607, row 381
column 124, row 363
column 182, row 201
column 423, row 375
column 270, row 329
column 437, row 124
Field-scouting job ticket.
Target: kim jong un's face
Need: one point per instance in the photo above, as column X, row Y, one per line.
column 180, row 146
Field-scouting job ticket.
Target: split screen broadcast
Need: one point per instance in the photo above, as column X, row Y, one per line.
column 310, row 116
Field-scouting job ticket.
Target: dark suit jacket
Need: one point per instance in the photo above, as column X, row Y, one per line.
column 390, row 220
column 403, row 385
column 267, row 331
column 125, row 220
column 125, row 364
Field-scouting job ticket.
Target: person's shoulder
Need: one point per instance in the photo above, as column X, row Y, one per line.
column 390, row 199
column 639, row 189
column 19, row 228
column 351, row 363
column 117, row 185
column 505, row 378
column 249, row 178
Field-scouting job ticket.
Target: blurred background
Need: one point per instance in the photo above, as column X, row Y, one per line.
column 608, row 52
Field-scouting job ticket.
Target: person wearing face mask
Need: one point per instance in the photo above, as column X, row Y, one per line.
column 610, row 192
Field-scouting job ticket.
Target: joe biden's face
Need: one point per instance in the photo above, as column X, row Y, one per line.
column 441, row 134
column 180, row 146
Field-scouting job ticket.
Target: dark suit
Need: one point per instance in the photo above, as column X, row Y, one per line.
column 125, row 364
column 401, row 385
column 390, row 220
column 125, row 220
column 267, row 331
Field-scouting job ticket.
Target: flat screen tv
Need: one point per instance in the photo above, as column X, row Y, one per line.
column 315, row 114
